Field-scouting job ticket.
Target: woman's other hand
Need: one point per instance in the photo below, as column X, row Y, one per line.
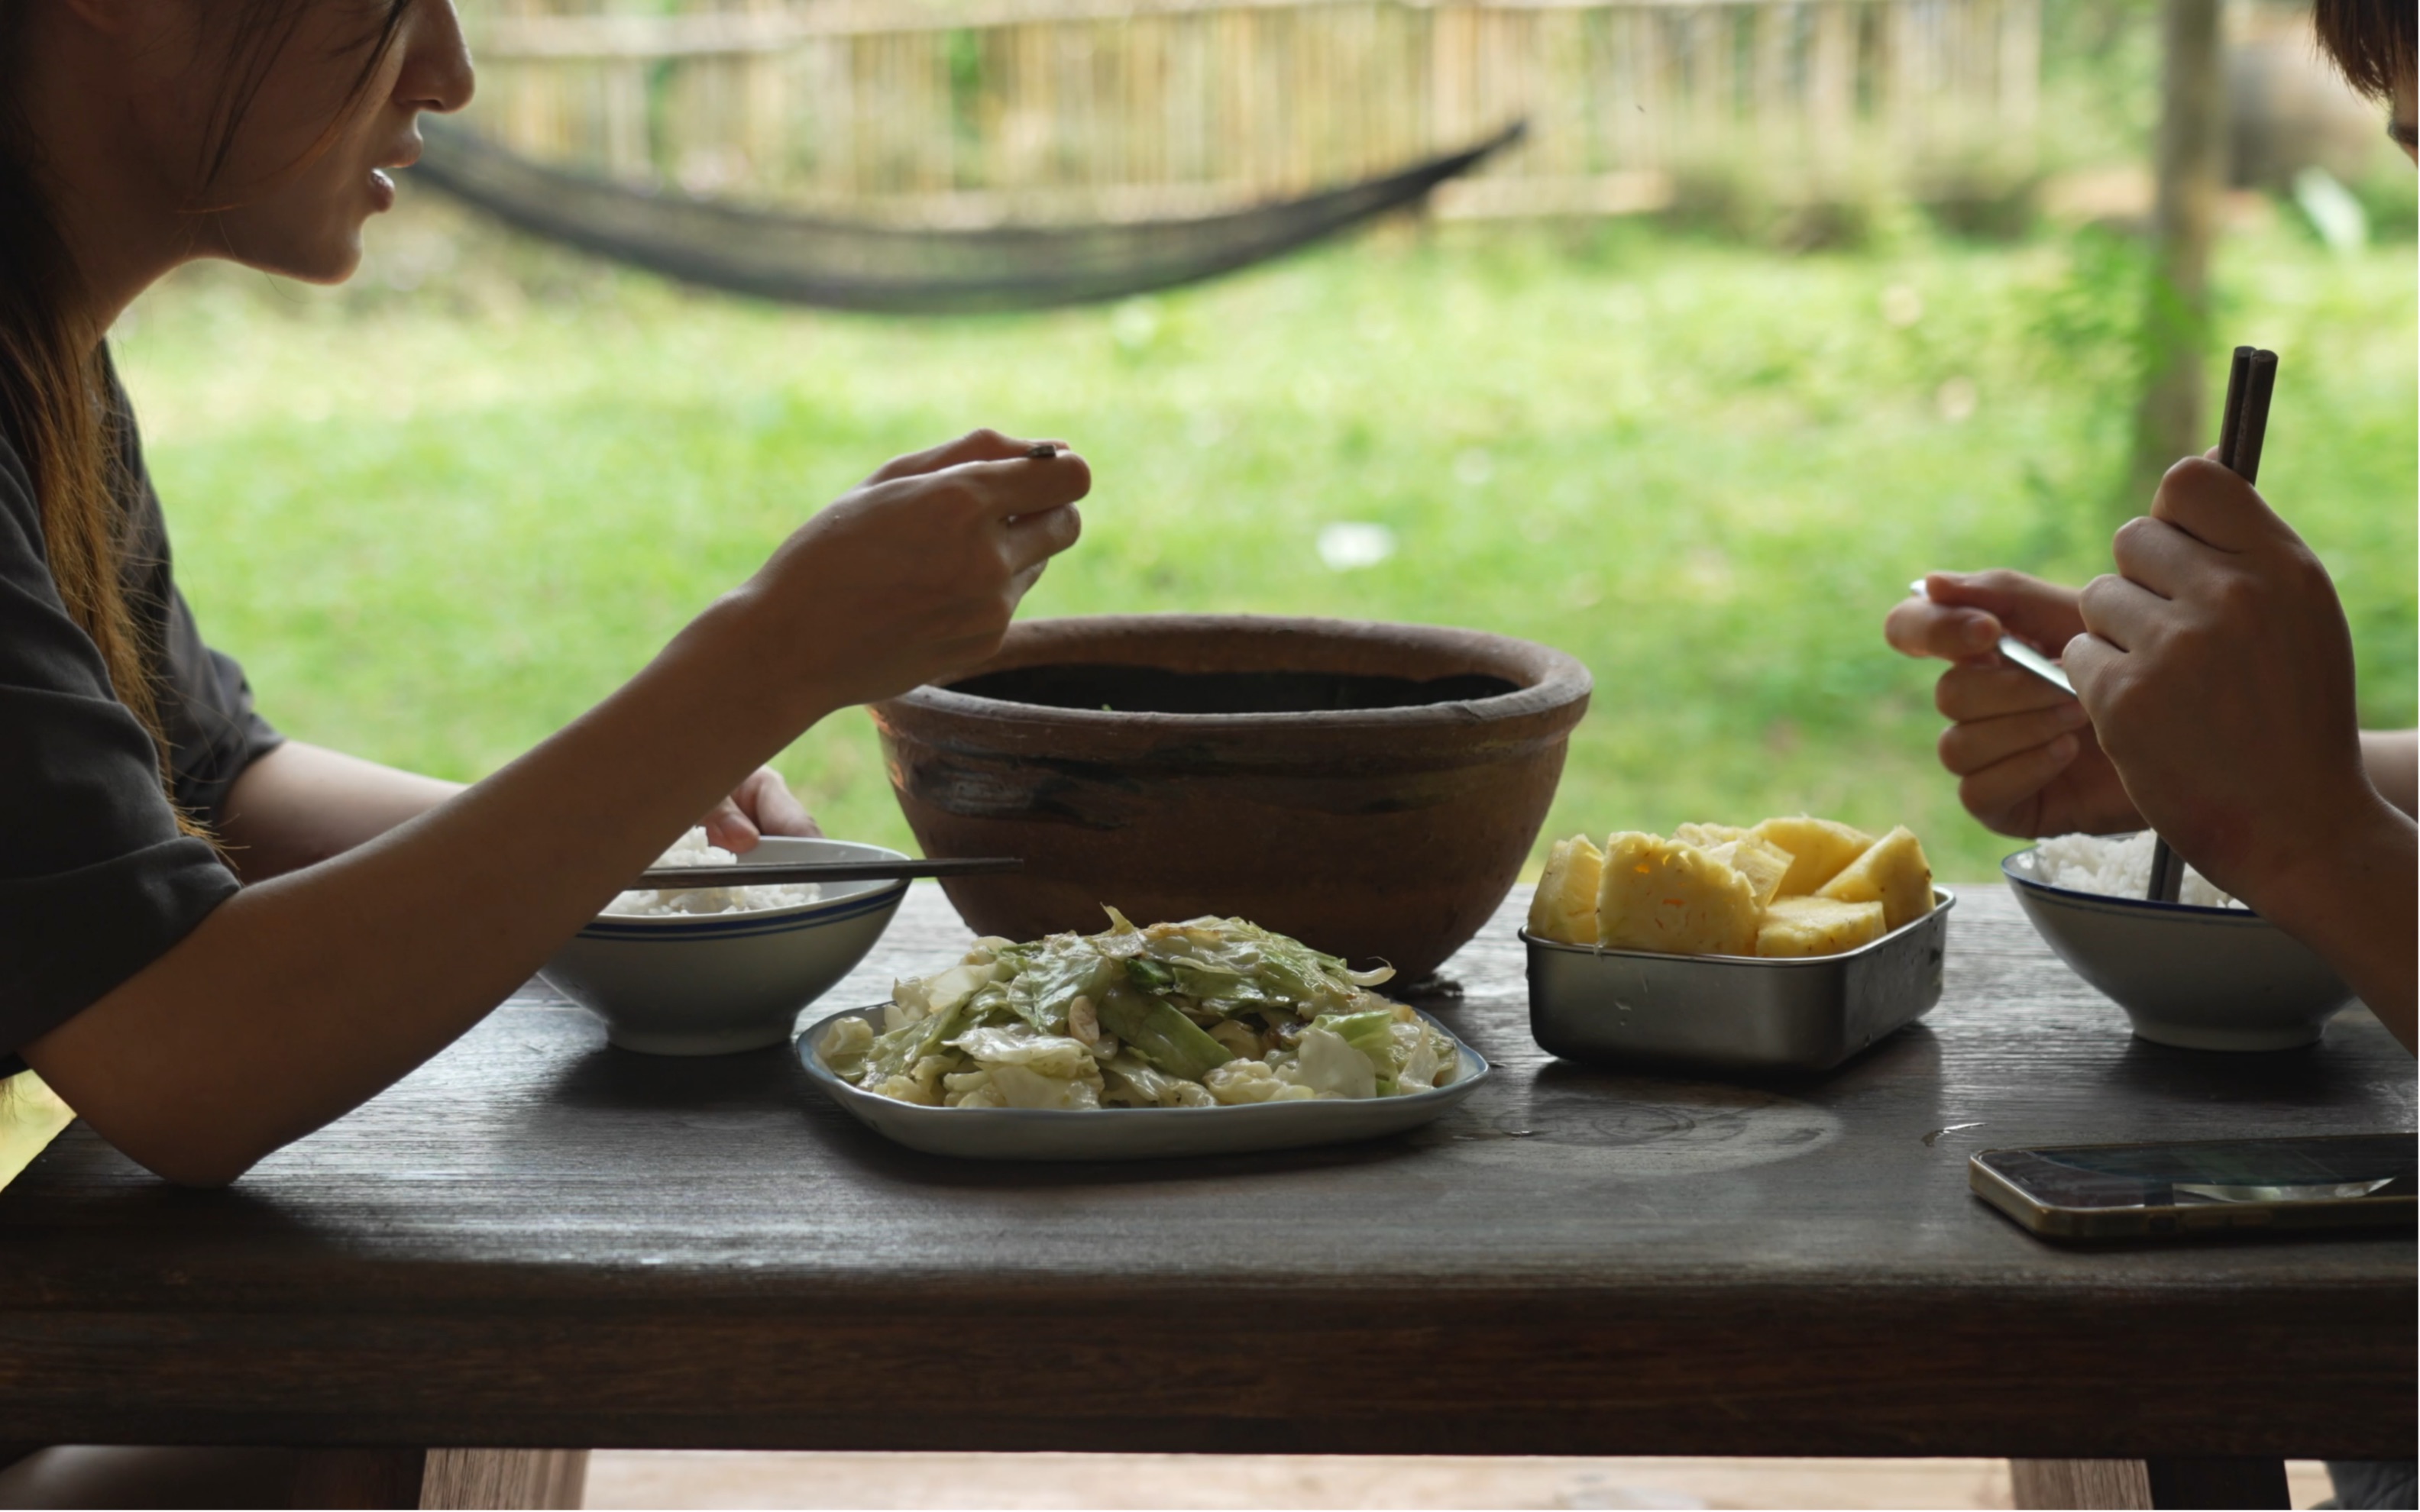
column 914, row 574
column 760, row 806
column 2218, row 669
column 2024, row 752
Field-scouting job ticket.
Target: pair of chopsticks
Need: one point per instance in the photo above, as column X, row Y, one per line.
column 2251, row 381
column 682, row 878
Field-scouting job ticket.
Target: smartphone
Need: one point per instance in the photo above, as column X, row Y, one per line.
column 2089, row 1191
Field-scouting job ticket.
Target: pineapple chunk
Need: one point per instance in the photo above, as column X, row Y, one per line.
column 1763, row 863
column 1670, row 896
column 1892, row 871
column 1565, row 906
column 1817, row 926
column 1819, row 849
column 1706, row 837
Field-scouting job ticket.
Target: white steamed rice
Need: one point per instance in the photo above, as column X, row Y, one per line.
column 692, row 850
column 2117, row 866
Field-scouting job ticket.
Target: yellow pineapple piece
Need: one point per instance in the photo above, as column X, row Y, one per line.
column 1891, row 872
column 1565, row 905
column 1706, row 837
column 1670, row 896
column 1817, row 926
column 1819, row 849
column 1763, row 863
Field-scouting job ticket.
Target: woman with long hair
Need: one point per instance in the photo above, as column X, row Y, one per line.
column 214, row 941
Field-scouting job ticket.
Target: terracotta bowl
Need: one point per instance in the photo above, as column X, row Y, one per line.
column 1370, row 789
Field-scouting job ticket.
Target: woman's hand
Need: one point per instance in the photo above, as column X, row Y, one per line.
column 2218, row 669
column 760, row 806
column 914, row 574
column 2024, row 753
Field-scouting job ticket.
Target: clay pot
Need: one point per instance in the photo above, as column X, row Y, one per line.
column 1369, row 789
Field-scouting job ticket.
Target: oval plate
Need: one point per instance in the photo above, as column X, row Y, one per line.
column 1137, row 1134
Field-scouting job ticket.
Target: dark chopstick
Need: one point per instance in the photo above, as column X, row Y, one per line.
column 2230, row 423
column 2255, row 429
column 682, row 878
column 2251, row 383
column 2167, row 871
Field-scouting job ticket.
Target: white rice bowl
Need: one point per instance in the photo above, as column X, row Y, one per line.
column 2117, row 866
column 692, row 849
column 2205, row 973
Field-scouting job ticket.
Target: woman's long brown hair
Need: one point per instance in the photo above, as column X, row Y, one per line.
column 55, row 393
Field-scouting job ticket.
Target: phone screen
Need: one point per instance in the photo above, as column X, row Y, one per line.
column 2322, row 1169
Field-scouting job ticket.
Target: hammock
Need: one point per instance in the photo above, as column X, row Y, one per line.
column 844, row 265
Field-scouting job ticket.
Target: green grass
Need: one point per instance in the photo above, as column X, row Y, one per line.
column 436, row 526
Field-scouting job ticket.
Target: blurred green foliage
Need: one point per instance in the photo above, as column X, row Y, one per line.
column 442, row 512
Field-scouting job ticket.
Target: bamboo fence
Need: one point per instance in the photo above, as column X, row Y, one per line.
column 985, row 111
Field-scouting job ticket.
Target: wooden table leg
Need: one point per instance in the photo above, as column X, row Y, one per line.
column 2218, row 1483
column 359, row 1477
column 2149, row 1483
column 2079, row 1483
column 481, row 1479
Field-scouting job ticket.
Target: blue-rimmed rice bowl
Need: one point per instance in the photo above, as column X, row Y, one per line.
column 712, row 984
column 2204, row 979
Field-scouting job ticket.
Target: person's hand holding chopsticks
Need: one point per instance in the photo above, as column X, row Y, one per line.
column 2022, row 749
column 914, row 574
column 2218, row 669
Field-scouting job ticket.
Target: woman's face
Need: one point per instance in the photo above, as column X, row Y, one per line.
column 306, row 165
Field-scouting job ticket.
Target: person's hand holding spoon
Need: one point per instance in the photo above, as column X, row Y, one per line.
column 2019, row 745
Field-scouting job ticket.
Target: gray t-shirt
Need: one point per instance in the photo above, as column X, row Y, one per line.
column 96, row 882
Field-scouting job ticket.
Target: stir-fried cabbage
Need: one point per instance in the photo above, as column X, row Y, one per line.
column 1211, row 1012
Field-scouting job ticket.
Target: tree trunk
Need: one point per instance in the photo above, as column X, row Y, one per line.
column 2171, row 422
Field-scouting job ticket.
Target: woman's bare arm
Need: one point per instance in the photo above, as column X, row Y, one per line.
column 2354, row 902
column 303, row 804
column 308, row 993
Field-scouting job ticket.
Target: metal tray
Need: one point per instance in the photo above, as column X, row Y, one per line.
column 1733, row 1014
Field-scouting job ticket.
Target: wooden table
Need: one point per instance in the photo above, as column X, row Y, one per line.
column 541, row 1240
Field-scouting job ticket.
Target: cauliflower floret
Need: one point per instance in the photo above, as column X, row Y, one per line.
column 1239, row 1082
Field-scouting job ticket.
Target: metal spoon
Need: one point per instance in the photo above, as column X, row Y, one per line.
column 2022, row 653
